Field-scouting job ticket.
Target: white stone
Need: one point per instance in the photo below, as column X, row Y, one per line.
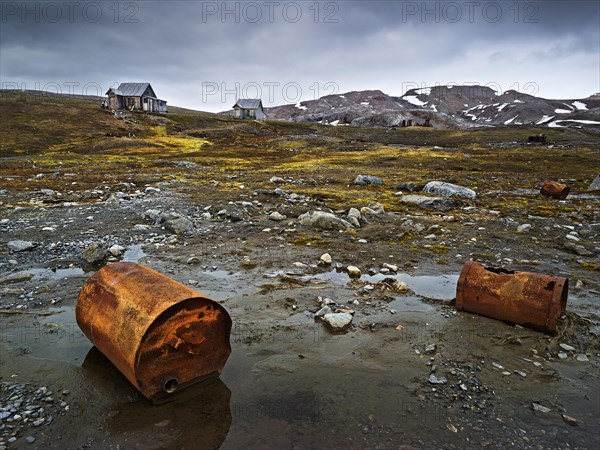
column 392, row 267
column 323, row 220
column 353, row 272
column 116, row 250
column 326, row 258
column 567, row 347
column 448, row 189
column 540, row 408
column 338, row 321
column 276, row 216
column 324, row 310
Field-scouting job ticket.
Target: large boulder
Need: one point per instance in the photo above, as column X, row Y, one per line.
column 363, row 180
column 20, row 246
column 595, row 184
column 178, row 225
column 448, row 189
column 95, row 253
column 433, row 203
column 323, row 220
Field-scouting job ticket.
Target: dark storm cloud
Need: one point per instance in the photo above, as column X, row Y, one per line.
column 198, row 54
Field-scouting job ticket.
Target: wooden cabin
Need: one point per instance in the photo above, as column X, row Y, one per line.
column 249, row 108
column 135, row 97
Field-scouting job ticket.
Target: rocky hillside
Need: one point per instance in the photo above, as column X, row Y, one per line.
column 445, row 107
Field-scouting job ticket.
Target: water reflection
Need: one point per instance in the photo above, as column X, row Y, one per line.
column 197, row 417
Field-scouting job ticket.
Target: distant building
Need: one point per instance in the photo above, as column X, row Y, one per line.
column 135, row 96
column 249, row 108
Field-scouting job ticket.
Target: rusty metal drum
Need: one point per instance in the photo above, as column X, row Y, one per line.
column 530, row 299
column 554, row 189
column 162, row 335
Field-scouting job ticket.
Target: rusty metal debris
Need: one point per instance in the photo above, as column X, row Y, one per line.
column 530, row 299
column 554, row 189
column 162, row 335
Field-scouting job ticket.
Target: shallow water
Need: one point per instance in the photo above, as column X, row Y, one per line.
column 437, row 287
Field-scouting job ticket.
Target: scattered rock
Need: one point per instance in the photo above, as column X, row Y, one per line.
column 524, row 228
column 409, row 186
column 448, row 189
column 372, row 209
column 323, row 220
column 116, row 250
column 151, row 190
column 562, row 355
column 537, row 407
column 152, row 215
column 16, row 277
column 325, row 259
column 437, row 380
column 569, row 420
column 582, row 357
column 20, row 246
column 567, row 347
column 275, row 180
column 431, row 348
column 394, row 285
column 354, row 217
column 392, row 267
column 578, row 249
column 178, row 225
column 433, row 203
column 353, row 272
column 363, row 180
column 94, row 253
column 323, row 311
column 277, row 217
column 338, row 321
column 595, row 184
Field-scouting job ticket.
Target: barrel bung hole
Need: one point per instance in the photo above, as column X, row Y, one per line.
column 170, row 385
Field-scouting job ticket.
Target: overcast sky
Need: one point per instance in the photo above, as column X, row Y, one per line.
column 203, row 55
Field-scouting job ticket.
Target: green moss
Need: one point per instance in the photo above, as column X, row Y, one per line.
column 438, row 248
column 588, row 265
column 309, row 240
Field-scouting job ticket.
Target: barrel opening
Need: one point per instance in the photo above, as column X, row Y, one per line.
column 500, row 270
column 170, row 385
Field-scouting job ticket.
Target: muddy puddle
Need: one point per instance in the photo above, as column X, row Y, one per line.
column 133, row 253
column 436, row 287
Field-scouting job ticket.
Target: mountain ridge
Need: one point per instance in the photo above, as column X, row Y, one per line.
column 444, row 107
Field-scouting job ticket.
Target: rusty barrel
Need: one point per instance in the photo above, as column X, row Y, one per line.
column 554, row 189
column 162, row 335
column 530, row 299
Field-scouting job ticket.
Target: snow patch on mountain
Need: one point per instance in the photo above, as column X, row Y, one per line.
column 414, row 100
